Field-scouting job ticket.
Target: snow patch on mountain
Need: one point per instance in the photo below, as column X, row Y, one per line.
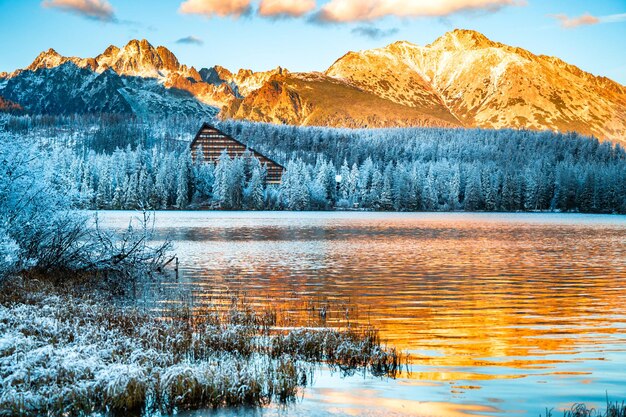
column 490, row 85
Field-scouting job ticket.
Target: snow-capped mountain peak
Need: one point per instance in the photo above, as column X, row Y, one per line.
column 138, row 58
column 459, row 39
column 46, row 59
column 487, row 84
column 461, row 79
column 136, row 78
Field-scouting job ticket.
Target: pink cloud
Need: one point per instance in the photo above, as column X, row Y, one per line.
column 93, row 9
column 212, row 8
column 292, row 8
column 367, row 10
column 572, row 22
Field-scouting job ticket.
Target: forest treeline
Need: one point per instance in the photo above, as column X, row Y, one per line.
column 118, row 163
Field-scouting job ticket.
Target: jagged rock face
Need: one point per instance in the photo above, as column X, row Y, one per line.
column 54, row 90
column 244, row 82
column 248, row 81
column 141, row 59
column 319, row 100
column 138, row 58
column 69, row 89
column 216, row 75
column 487, row 84
column 211, row 76
column 461, row 79
column 47, row 59
column 388, row 76
column 52, row 59
column 211, row 94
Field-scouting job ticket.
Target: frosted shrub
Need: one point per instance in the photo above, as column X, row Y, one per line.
column 36, row 222
column 41, row 233
column 67, row 356
column 125, row 387
column 348, row 350
column 9, row 253
column 182, row 386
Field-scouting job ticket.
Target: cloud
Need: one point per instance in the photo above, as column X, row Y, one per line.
column 211, row 8
column 613, row 18
column 573, row 22
column 190, row 40
column 587, row 19
column 285, row 8
column 91, row 9
column 369, row 10
column 373, row 32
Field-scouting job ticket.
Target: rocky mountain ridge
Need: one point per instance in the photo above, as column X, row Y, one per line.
column 461, row 79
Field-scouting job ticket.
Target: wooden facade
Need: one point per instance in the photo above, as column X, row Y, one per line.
column 213, row 142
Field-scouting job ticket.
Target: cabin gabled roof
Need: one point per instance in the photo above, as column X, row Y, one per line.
column 205, row 125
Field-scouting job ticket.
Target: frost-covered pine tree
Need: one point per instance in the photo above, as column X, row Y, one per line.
column 364, row 183
column 104, row 195
column 254, row 193
column 430, row 201
column 346, row 181
column 161, row 192
column 235, row 184
column 295, row 186
column 531, row 190
column 324, row 187
column 353, row 180
column 143, row 188
column 222, row 172
column 203, row 175
column 131, row 200
column 455, row 188
column 118, row 198
column 510, row 190
column 182, row 181
column 473, row 196
column 376, row 189
column 385, row 196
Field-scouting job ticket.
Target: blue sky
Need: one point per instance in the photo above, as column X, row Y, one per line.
column 234, row 33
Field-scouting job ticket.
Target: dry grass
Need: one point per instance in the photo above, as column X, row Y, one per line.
column 63, row 354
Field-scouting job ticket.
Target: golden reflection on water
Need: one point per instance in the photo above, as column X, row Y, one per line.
column 370, row 402
column 472, row 297
column 476, row 293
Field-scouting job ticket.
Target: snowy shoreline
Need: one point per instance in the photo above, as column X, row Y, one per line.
column 67, row 355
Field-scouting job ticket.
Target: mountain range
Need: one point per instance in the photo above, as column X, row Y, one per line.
column 462, row 79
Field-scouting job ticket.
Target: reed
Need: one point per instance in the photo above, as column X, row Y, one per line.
column 612, row 409
column 65, row 354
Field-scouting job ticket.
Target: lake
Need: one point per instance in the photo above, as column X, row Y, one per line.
column 502, row 314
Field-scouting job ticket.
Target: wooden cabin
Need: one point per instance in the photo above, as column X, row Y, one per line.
column 213, row 142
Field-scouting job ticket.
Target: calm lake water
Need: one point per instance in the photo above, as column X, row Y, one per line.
column 503, row 314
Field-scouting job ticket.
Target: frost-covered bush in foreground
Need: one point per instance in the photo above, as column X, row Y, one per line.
column 68, row 356
column 37, row 227
column 40, row 231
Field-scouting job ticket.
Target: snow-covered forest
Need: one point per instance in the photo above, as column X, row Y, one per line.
column 116, row 163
